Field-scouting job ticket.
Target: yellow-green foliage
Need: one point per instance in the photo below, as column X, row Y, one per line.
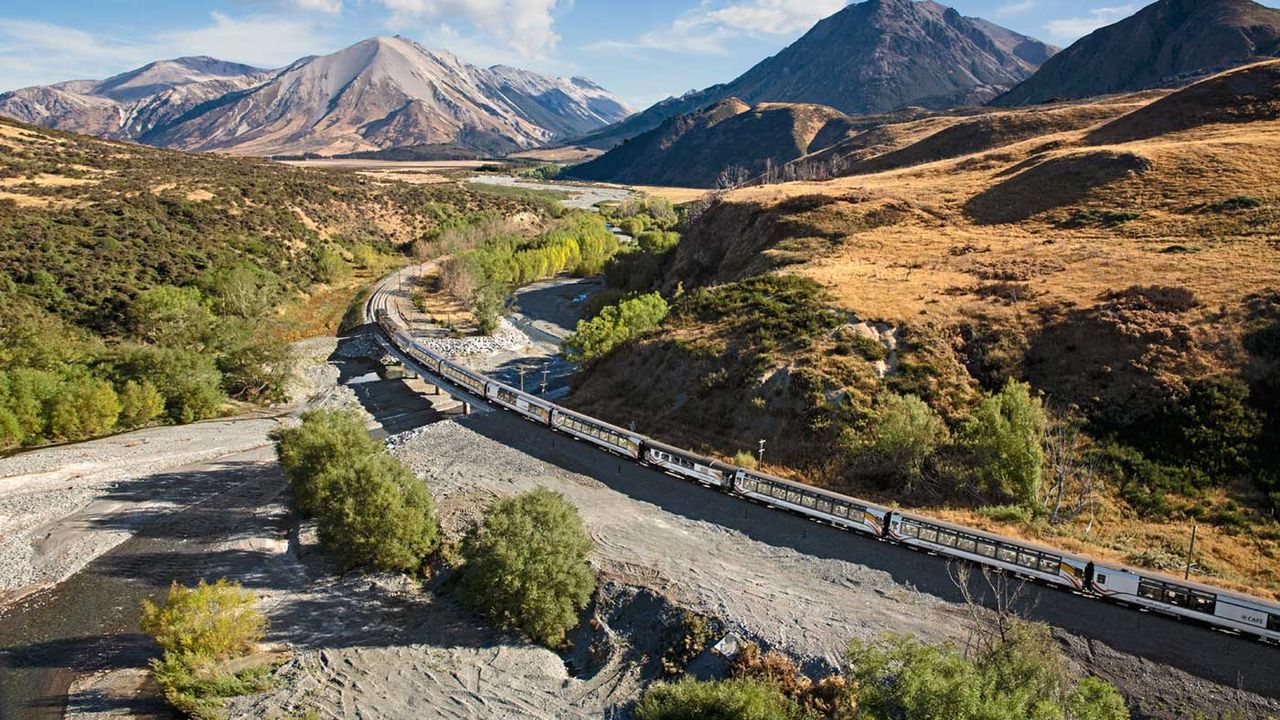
column 1006, row 439
column 614, row 326
column 526, row 566
column 722, row 700
column 208, row 622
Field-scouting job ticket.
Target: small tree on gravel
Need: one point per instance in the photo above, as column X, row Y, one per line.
column 723, row 700
column 526, row 566
column 307, row 453
column 376, row 514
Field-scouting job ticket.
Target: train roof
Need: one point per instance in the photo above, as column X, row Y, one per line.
column 674, row 450
column 992, row 536
column 820, row 491
column 1271, row 605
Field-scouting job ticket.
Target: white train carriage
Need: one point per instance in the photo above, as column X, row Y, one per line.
column 520, row 402
column 1187, row 599
column 688, row 465
column 1012, row 556
column 595, row 431
column 474, row 382
column 835, row 508
column 427, row 359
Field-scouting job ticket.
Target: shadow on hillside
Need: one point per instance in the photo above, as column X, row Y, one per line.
column 1058, row 182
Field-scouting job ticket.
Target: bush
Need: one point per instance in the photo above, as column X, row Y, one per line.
column 905, row 432
column 244, row 291
column 1022, row 676
column 1005, row 439
column 657, row 242
column 377, row 515
column 614, row 326
column 207, row 622
column 175, row 317
column 526, row 566
column 189, row 380
column 745, row 459
column 331, row 267
column 722, row 700
column 85, row 408
column 323, row 439
column 140, row 403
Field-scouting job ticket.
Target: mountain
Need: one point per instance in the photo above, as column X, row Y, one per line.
column 1162, row 43
column 381, row 93
column 128, row 105
column 871, row 57
column 694, row 150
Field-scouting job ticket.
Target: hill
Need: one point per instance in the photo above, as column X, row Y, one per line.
column 729, row 137
column 1131, row 278
column 871, row 57
column 1166, row 42
column 380, row 93
column 139, row 284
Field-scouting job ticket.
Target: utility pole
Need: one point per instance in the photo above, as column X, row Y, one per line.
column 521, row 378
column 545, row 374
column 1191, row 553
column 762, row 451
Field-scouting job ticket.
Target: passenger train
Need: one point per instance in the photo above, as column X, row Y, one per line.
column 1115, row 583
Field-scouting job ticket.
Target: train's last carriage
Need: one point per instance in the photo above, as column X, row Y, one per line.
column 817, row 503
column 1013, row 556
column 687, row 464
column 1187, row 599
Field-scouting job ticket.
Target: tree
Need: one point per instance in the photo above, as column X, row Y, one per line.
column 1005, row 438
column 376, row 514
column 331, row 267
column 1073, row 476
column 657, row 241
column 255, row 366
column 140, row 403
column 171, row 316
column 615, row 325
column 190, row 381
column 84, row 408
column 905, row 432
column 526, row 566
column 691, row 699
column 324, row 438
column 244, row 291
column 209, row 622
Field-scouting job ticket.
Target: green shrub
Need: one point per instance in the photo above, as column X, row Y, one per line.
column 657, row 242
column 614, row 326
column 376, row 514
column 331, row 267
column 903, row 435
column 140, row 403
column 83, row 408
column 1020, row 514
column 745, row 459
column 323, row 439
column 1239, row 202
column 208, row 622
column 176, row 317
column 526, row 566
column 1005, row 439
column 244, row 291
column 189, row 380
column 721, row 700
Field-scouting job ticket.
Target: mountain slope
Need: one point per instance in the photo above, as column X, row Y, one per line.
column 1164, row 41
column 379, row 93
column 693, row 150
column 874, row 56
column 128, row 105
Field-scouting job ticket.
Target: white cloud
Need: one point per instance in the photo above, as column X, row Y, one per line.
column 707, row 28
column 326, row 6
column 1016, row 8
column 526, row 27
column 37, row 53
column 1075, row 28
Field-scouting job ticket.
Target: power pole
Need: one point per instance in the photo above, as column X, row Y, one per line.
column 545, row 374
column 521, row 378
column 762, row 450
column 1191, row 553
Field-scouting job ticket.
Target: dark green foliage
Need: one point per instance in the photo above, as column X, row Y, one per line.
column 526, row 566
column 771, row 310
column 1005, row 440
column 1209, row 427
column 1232, row 204
column 1018, row 677
column 614, row 326
column 657, row 241
column 904, row 434
column 1104, row 218
column 171, row 316
column 689, row 639
column 189, row 380
column 372, row 511
column 721, row 700
column 633, row 271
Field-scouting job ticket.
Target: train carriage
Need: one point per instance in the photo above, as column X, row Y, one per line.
column 428, row 360
column 1184, row 598
column 832, row 507
column 1013, row 556
column 595, row 431
column 696, row 467
column 519, row 402
column 474, row 382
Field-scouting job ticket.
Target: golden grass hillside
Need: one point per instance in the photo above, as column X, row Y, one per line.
column 1114, row 254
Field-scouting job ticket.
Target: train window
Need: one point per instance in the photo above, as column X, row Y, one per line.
column 1273, row 623
column 1026, row 559
column 928, row 534
column 807, row 501
column 1049, row 565
column 793, row 496
column 842, row 510
column 1201, row 602
column 1100, row 578
column 824, row 506
column 1149, row 590
column 967, row 544
column 910, row 529
column 1007, row 554
column 1175, row 596
column 947, row 539
column 986, row 549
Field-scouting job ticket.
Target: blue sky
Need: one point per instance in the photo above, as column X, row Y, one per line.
column 643, row 50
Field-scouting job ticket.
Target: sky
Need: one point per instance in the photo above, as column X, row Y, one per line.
column 642, row 50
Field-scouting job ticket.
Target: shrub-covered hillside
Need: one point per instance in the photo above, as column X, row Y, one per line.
column 1048, row 336
column 138, row 285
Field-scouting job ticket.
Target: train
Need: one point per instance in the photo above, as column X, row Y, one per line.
column 1221, row 609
